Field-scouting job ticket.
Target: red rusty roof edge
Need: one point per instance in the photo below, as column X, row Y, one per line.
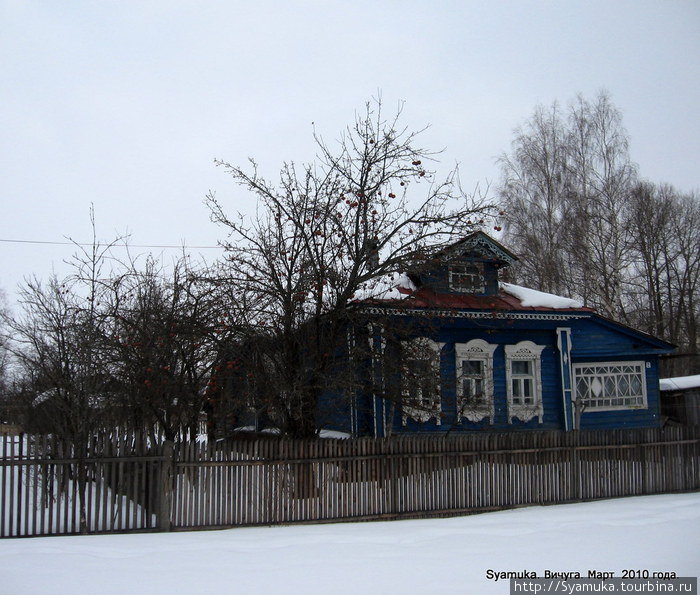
column 427, row 298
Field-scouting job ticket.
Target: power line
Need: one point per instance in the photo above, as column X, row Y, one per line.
column 117, row 245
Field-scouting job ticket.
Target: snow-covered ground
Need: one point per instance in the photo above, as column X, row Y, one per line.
column 654, row 533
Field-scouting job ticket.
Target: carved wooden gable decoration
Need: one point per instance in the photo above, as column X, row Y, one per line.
column 469, row 267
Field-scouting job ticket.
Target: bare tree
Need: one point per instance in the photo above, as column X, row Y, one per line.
column 6, row 406
column 685, row 268
column 603, row 178
column 663, row 289
column 648, row 295
column 566, row 188
column 535, row 189
column 367, row 207
column 56, row 341
column 117, row 344
column 163, row 340
column 584, row 225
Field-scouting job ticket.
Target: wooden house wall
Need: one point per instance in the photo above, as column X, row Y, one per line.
column 592, row 342
column 462, row 331
column 596, row 341
column 365, row 414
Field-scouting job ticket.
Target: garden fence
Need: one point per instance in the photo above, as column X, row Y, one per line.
column 127, row 483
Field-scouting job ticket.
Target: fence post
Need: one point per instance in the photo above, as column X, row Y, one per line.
column 577, row 492
column 166, row 487
column 394, row 484
column 643, row 459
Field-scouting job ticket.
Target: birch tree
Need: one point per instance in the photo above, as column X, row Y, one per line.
column 566, row 188
column 584, row 224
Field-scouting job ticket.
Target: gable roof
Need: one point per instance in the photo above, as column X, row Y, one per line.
column 482, row 244
column 406, row 295
column 522, row 304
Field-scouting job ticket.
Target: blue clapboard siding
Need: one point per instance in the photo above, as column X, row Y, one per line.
column 600, row 340
column 594, row 339
column 463, row 330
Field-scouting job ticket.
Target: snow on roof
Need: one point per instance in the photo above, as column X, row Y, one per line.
column 398, row 286
column 333, row 434
column 680, row 382
column 385, row 287
column 43, row 397
column 246, row 429
column 531, row 298
column 276, row 431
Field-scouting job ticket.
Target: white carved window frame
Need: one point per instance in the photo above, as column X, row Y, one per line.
column 611, row 386
column 475, row 350
column 525, row 351
column 431, row 406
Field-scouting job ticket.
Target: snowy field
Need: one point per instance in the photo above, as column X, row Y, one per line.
column 655, row 533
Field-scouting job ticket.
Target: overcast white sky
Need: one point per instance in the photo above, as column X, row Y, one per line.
column 125, row 104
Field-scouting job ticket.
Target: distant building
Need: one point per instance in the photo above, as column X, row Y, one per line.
column 680, row 399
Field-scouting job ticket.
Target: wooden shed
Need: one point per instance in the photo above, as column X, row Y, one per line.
column 680, row 399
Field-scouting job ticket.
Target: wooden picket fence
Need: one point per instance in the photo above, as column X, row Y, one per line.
column 47, row 487
column 124, row 483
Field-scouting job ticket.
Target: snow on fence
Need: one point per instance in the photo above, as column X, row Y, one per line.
column 132, row 485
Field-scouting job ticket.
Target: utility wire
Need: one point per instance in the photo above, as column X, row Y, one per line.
column 117, row 245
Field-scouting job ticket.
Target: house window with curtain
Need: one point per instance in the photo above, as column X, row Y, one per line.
column 524, row 381
column 474, row 371
column 420, row 380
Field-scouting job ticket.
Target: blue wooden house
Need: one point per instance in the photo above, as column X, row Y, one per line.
column 451, row 348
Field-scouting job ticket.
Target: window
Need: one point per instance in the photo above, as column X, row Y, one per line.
column 420, row 380
column 524, row 381
column 473, row 382
column 474, row 367
column 467, row 278
column 522, row 377
column 610, row 386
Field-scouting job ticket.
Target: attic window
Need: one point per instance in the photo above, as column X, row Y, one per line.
column 467, row 278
